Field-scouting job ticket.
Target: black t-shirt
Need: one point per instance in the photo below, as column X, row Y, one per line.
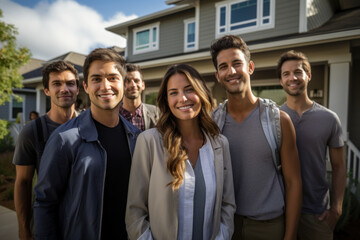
column 118, row 164
column 26, row 145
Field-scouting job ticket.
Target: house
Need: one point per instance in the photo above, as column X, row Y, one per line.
column 327, row 31
column 10, row 110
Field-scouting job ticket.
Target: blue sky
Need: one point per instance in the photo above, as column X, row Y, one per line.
column 50, row 28
column 108, row 8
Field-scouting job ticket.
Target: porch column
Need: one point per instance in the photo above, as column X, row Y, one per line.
column 40, row 101
column 339, row 78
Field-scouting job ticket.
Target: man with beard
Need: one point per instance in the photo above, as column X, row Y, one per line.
column 141, row 115
column 83, row 183
column 317, row 128
column 264, row 209
column 61, row 84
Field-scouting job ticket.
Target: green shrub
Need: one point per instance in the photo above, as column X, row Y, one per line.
column 9, row 194
column 6, row 166
column 6, row 140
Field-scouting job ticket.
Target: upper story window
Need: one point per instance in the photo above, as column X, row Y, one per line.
column 146, row 39
column 190, row 35
column 242, row 16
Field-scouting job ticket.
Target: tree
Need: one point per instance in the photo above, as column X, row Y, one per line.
column 11, row 59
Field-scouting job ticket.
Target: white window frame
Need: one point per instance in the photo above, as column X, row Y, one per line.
column 186, row 43
column 259, row 24
column 151, row 47
column 11, row 106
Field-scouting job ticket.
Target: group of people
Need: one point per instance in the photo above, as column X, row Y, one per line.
column 124, row 169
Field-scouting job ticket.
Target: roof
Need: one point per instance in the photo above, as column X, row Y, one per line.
column 37, row 73
column 73, row 57
column 31, row 65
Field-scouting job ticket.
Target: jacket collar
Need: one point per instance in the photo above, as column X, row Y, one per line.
column 87, row 128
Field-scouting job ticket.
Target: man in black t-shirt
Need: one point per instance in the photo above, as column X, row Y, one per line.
column 82, row 186
column 61, row 84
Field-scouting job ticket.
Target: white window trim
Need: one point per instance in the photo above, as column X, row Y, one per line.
column 186, row 48
column 11, row 106
column 147, row 27
column 259, row 26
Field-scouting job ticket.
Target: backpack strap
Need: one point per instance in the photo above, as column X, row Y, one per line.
column 270, row 121
column 42, row 135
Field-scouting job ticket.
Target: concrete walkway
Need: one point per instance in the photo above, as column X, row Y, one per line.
column 8, row 224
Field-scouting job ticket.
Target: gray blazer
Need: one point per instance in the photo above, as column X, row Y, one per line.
column 152, row 204
column 151, row 115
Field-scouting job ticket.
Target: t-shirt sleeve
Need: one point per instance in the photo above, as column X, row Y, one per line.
column 336, row 139
column 25, row 148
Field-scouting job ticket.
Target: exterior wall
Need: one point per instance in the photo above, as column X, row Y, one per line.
column 171, row 37
column 286, row 22
column 318, row 12
column 4, row 111
column 30, row 105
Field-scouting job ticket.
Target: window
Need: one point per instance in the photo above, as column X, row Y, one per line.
column 190, row 35
column 17, row 106
column 234, row 17
column 146, row 39
column 150, row 95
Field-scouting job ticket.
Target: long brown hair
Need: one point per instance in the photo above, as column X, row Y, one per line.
column 167, row 122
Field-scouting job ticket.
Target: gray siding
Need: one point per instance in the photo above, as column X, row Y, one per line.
column 4, row 111
column 171, row 41
column 318, row 12
column 30, row 105
column 286, row 22
column 207, row 23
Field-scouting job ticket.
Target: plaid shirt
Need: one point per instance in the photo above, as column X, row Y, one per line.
column 136, row 119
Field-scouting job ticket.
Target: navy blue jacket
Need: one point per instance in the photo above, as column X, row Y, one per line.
column 69, row 193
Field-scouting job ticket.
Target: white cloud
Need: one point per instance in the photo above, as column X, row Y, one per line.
column 50, row 30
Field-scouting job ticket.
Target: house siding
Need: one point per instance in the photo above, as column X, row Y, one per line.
column 30, row 105
column 4, row 111
column 171, row 37
column 318, row 12
column 207, row 23
column 286, row 22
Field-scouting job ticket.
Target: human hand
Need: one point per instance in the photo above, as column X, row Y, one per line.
column 331, row 217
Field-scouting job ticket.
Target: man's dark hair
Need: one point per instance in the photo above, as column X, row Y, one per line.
column 104, row 55
column 227, row 42
column 292, row 55
column 133, row 68
column 58, row 67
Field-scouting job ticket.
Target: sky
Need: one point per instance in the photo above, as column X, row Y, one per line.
column 50, row 28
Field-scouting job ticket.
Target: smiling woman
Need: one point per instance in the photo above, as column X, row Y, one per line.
column 181, row 168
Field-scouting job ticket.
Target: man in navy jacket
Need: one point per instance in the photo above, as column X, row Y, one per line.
column 84, row 171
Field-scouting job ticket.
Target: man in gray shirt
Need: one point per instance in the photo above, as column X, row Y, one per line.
column 317, row 128
column 263, row 210
column 61, row 84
